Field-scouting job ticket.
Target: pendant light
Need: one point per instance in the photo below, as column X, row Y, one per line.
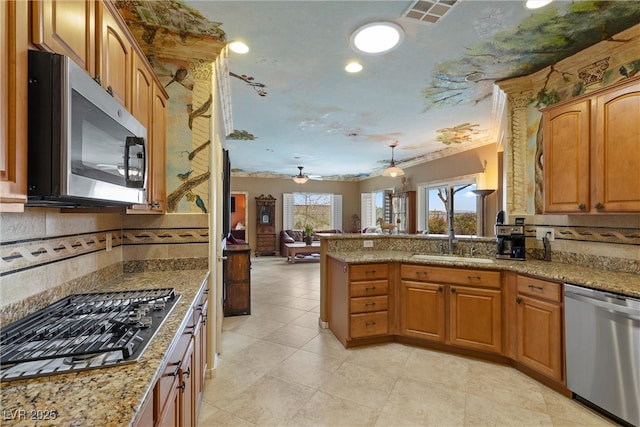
column 300, row 179
column 393, row 170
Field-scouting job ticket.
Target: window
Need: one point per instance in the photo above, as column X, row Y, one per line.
column 433, row 202
column 373, row 206
column 320, row 210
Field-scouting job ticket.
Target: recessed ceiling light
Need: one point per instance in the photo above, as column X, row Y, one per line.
column 377, row 37
column 536, row 4
column 238, row 47
column 353, row 67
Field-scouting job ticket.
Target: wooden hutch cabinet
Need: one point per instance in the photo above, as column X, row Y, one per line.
column 266, row 226
column 403, row 212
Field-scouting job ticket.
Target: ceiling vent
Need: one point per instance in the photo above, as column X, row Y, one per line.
column 428, row 11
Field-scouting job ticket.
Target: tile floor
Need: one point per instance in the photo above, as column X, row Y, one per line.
column 278, row 368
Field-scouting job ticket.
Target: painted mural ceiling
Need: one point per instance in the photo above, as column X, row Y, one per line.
column 293, row 104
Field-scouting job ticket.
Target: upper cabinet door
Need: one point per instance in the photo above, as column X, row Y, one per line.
column 617, row 145
column 13, row 97
column 116, row 58
column 566, row 157
column 67, row 28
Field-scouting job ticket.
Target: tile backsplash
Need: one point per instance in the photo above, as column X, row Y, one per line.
column 46, row 255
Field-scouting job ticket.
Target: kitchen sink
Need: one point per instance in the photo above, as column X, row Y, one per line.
column 422, row 257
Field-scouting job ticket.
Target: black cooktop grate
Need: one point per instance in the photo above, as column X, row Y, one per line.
column 84, row 331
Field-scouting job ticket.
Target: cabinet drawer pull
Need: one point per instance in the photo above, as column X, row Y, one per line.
column 537, row 288
column 369, row 324
column 370, row 288
column 370, row 303
column 474, row 277
column 422, row 273
column 369, row 272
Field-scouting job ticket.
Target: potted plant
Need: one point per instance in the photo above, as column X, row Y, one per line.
column 308, row 234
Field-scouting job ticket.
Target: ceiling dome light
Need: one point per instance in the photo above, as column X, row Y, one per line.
column 377, row 37
column 238, row 47
column 393, row 170
column 353, row 67
column 536, row 4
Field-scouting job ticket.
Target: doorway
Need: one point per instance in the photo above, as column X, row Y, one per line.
column 239, row 216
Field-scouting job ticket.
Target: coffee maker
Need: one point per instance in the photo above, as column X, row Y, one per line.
column 510, row 239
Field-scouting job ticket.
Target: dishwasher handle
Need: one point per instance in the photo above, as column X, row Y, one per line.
column 631, row 312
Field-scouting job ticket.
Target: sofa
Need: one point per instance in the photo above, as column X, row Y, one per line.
column 293, row 236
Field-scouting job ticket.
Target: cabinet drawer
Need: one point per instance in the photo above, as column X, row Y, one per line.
column 540, row 288
column 420, row 273
column 369, row 324
column 368, row 271
column 369, row 288
column 487, row 279
column 367, row 304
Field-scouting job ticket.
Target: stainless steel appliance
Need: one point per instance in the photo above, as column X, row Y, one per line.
column 510, row 241
column 84, row 331
column 85, row 149
column 603, row 350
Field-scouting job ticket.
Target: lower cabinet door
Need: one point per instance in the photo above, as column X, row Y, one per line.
column 475, row 318
column 422, row 310
column 540, row 336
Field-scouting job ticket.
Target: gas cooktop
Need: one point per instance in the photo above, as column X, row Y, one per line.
column 84, row 331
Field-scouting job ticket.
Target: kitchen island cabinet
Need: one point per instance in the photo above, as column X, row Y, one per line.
column 121, row 395
column 472, row 299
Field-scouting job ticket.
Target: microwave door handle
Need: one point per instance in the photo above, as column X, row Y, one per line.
column 133, row 141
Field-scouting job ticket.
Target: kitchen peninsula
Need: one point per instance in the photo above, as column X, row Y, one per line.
column 399, row 289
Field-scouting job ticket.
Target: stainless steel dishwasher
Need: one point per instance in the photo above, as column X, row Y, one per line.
column 602, row 332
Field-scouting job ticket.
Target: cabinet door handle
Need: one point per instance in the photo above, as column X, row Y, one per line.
column 187, row 373
column 440, row 289
column 599, row 205
column 518, row 300
column 581, row 206
column 453, row 290
column 175, row 372
column 182, row 386
column 110, row 90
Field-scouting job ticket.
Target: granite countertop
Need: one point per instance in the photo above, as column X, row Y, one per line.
column 109, row 396
column 595, row 278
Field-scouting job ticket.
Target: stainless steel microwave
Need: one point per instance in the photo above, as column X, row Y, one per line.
column 85, row 149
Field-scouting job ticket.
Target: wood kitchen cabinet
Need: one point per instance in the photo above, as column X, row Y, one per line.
column 266, row 225
column 592, row 152
column 13, row 98
column 115, row 55
column 361, row 301
column 539, row 326
column 403, row 212
column 465, row 302
column 237, row 280
column 67, row 28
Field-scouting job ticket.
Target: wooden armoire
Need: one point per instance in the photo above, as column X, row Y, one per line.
column 266, row 225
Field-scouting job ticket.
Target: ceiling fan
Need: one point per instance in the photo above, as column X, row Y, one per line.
column 302, row 178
